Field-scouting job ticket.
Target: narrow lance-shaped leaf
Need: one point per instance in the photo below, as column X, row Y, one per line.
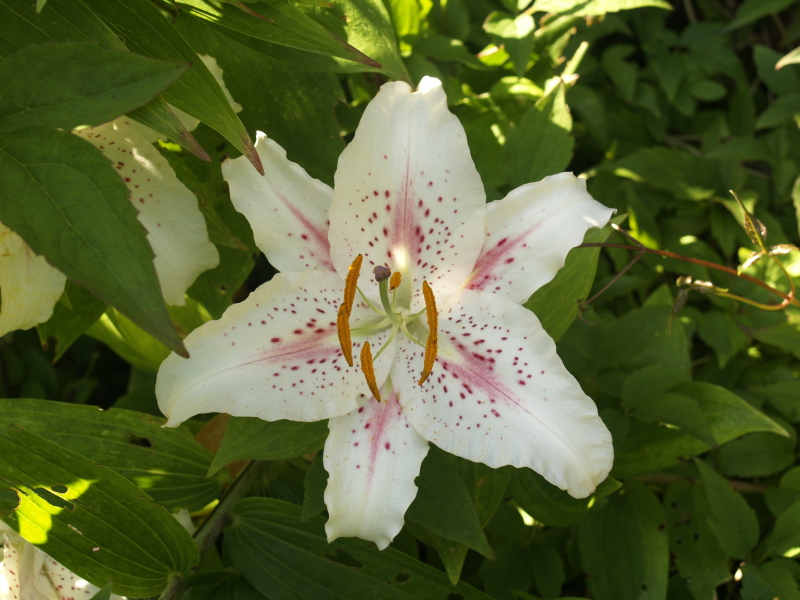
column 146, row 31
column 68, row 85
column 67, row 202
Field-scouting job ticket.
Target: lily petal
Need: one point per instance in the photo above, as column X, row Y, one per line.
column 407, row 193
column 372, row 456
column 27, row 573
column 274, row 356
column 176, row 229
column 29, row 286
column 500, row 395
column 530, row 232
column 287, row 208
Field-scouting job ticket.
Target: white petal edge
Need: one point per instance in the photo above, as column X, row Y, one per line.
column 275, row 355
column 407, row 194
column 29, row 286
column 286, row 207
column 27, row 573
column 372, row 456
column 499, row 394
column 530, row 232
column 176, row 229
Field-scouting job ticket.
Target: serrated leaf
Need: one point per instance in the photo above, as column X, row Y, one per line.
column 252, row 438
column 72, row 21
column 624, row 547
column 166, row 463
column 76, row 84
column 731, row 519
column 63, row 197
column 147, row 32
column 278, row 23
column 288, row 559
column 90, row 519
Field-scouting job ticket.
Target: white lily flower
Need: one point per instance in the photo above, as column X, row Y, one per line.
column 28, row 573
column 447, row 356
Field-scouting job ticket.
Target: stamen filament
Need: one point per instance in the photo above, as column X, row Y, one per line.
column 351, row 283
column 343, row 330
column 432, row 344
column 369, row 371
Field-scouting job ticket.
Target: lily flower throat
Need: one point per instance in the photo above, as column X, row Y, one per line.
column 392, row 316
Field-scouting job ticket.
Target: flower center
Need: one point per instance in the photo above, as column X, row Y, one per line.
column 394, row 317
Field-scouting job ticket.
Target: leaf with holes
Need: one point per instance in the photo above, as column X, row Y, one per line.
column 91, row 519
column 166, row 463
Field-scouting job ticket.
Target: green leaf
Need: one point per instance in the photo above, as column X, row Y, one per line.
column 557, row 303
column 750, row 11
column 698, row 556
column 757, row 455
column 444, row 507
column 72, row 21
column 63, row 197
column 90, row 519
column 130, row 342
column 252, row 438
column 288, row 559
column 103, row 593
column 624, row 547
column 168, row 464
column 276, row 22
column 315, row 482
column 541, row 145
column 792, row 58
column 545, row 502
column 75, row 312
column 515, row 34
column 770, row 580
column 730, row 518
column 680, row 411
column 77, row 84
column 147, row 32
column 588, row 8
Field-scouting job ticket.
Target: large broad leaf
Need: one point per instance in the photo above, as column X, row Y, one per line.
column 63, row 197
column 288, row 559
column 147, row 32
column 92, row 520
column 76, row 84
column 168, row 464
column 542, row 144
column 624, row 546
column 276, row 22
column 252, row 438
column 592, row 8
column 557, row 303
column 72, row 21
column 730, row 517
column 444, row 507
column 74, row 313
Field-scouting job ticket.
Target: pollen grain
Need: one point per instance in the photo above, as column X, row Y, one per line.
column 432, row 344
column 369, row 370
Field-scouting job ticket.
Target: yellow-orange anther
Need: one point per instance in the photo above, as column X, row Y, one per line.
column 369, row 370
column 350, row 284
column 394, row 281
column 343, row 329
column 432, row 345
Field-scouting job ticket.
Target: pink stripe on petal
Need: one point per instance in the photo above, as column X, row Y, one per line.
column 372, row 456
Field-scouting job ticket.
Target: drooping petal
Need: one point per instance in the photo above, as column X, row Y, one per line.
column 274, row 356
column 287, row 208
column 372, row 456
column 499, row 394
column 407, row 194
column 29, row 286
column 175, row 226
column 27, row 573
column 530, row 232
